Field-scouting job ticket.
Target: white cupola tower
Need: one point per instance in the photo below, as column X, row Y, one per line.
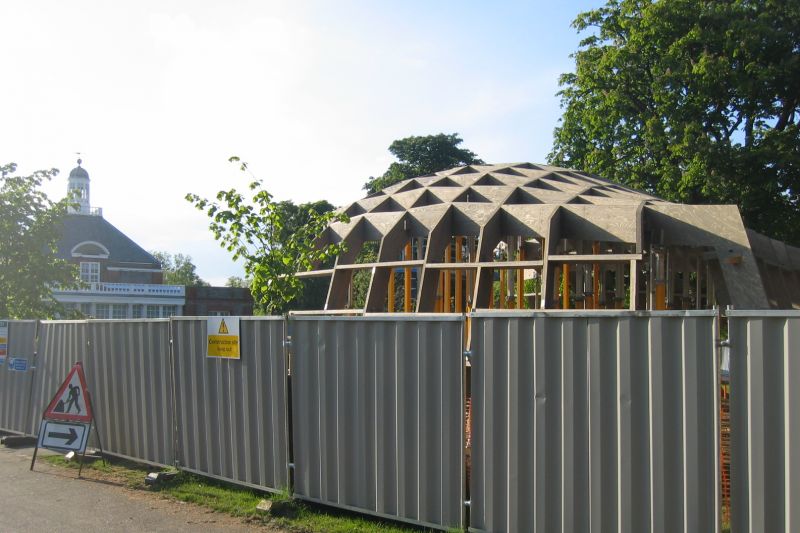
column 79, row 182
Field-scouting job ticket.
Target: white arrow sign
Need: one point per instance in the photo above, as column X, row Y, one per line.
column 63, row 435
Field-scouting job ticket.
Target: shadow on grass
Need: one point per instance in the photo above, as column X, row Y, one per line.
column 234, row 500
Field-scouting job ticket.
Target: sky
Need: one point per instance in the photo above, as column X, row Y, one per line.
column 157, row 95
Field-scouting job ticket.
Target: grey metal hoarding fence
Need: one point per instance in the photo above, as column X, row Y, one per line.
column 597, row 422
column 377, row 407
column 128, row 370
column 15, row 383
column 60, row 345
column 765, row 421
column 231, row 417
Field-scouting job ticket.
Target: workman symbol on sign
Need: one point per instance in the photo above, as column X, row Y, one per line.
column 72, row 401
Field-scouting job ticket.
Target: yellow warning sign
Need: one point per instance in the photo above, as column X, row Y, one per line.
column 223, row 337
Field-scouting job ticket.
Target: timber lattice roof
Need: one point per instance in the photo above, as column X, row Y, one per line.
column 453, row 231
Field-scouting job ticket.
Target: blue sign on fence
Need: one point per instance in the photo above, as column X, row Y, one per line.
column 18, row 364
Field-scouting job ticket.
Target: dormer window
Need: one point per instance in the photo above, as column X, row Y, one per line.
column 90, row 249
column 90, row 272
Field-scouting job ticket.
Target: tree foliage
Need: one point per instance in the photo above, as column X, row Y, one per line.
column 314, row 291
column 238, row 282
column 179, row 269
column 421, row 155
column 30, row 226
column 274, row 240
column 693, row 100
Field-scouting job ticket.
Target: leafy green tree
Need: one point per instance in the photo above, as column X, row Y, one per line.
column 274, row 244
column 421, row 155
column 179, row 270
column 314, row 291
column 693, row 100
column 237, row 282
column 30, row 225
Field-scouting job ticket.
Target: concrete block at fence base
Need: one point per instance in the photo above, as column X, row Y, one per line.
column 18, row 441
column 159, row 478
column 284, row 508
column 264, row 506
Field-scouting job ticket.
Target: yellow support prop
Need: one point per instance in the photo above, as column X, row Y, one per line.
column 661, row 296
column 565, row 295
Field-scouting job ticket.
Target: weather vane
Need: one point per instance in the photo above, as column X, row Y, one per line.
column 79, row 158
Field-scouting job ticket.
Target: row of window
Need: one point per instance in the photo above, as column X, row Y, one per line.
column 120, row 311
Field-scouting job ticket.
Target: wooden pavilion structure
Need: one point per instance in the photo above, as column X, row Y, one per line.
column 525, row 236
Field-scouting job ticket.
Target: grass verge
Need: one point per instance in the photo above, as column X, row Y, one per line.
column 292, row 515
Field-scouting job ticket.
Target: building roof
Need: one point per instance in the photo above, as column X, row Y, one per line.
column 82, row 228
column 78, row 172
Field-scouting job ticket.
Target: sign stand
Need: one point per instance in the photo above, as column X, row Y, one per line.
column 61, row 428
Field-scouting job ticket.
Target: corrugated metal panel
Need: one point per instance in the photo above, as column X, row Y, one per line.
column 595, row 422
column 231, row 414
column 60, row 345
column 128, row 372
column 15, row 387
column 377, row 410
column 765, row 421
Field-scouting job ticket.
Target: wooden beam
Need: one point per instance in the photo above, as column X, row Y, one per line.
column 458, row 275
column 502, row 291
column 488, row 264
column 390, row 305
column 407, row 281
column 315, row 273
column 565, row 284
column 594, row 258
column 596, row 277
column 393, row 264
column 521, row 280
column 447, row 283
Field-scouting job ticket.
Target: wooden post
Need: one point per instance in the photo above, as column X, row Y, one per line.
column 565, row 284
column 407, row 281
column 619, row 286
column 660, row 281
column 470, row 275
column 459, row 288
column 521, row 279
column 634, row 284
column 502, row 289
column 447, row 252
column 698, row 292
column 390, row 305
column 552, row 295
column 596, row 278
column 491, row 289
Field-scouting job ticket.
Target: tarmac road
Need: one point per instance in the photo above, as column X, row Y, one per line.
column 54, row 499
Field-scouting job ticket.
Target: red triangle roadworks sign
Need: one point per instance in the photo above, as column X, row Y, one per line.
column 71, row 402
